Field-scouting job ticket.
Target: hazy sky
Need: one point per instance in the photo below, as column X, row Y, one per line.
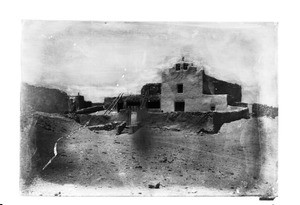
column 101, row 59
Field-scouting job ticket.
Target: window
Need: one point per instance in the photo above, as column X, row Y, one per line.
column 179, row 106
column 185, row 66
column 212, row 107
column 179, row 88
column 177, row 66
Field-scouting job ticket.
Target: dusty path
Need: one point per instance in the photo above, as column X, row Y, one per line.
column 177, row 160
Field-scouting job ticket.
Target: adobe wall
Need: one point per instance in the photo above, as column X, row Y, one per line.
column 151, row 89
column 213, row 86
column 237, row 113
column 43, row 99
column 203, row 103
column 259, row 110
column 108, row 101
column 209, row 122
column 192, row 88
column 195, row 100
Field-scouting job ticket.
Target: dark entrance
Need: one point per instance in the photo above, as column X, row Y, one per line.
column 153, row 104
column 179, row 106
column 120, row 106
column 133, row 104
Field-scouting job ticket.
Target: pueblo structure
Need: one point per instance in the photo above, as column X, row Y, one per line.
column 184, row 88
column 158, row 140
column 187, row 88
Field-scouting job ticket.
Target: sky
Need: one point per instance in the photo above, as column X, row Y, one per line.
column 102, row 59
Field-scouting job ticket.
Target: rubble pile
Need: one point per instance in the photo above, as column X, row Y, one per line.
column 107, row 126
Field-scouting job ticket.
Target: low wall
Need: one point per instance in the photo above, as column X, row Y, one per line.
column 259, row 110
column 209, row 122
column 219, row 118
column 202, row 103
column 194, row 121
column 220, row 102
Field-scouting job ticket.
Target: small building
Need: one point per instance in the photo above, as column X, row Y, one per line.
column 77, row 102
column 151, row 94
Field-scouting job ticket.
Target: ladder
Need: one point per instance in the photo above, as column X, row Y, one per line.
column 113, row 104
column 143, row 105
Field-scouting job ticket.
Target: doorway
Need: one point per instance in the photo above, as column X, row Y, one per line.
column 179, row 106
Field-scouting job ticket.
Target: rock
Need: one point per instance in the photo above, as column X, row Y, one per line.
column 156, row 186
column 172, row 128
column 107, row 127
column 164, row 160
column 120, row 128
column 57, row 194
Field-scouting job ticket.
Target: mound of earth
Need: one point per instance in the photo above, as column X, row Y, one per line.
column 39, row 133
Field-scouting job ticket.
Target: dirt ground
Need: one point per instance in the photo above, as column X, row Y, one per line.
column 239, row 160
